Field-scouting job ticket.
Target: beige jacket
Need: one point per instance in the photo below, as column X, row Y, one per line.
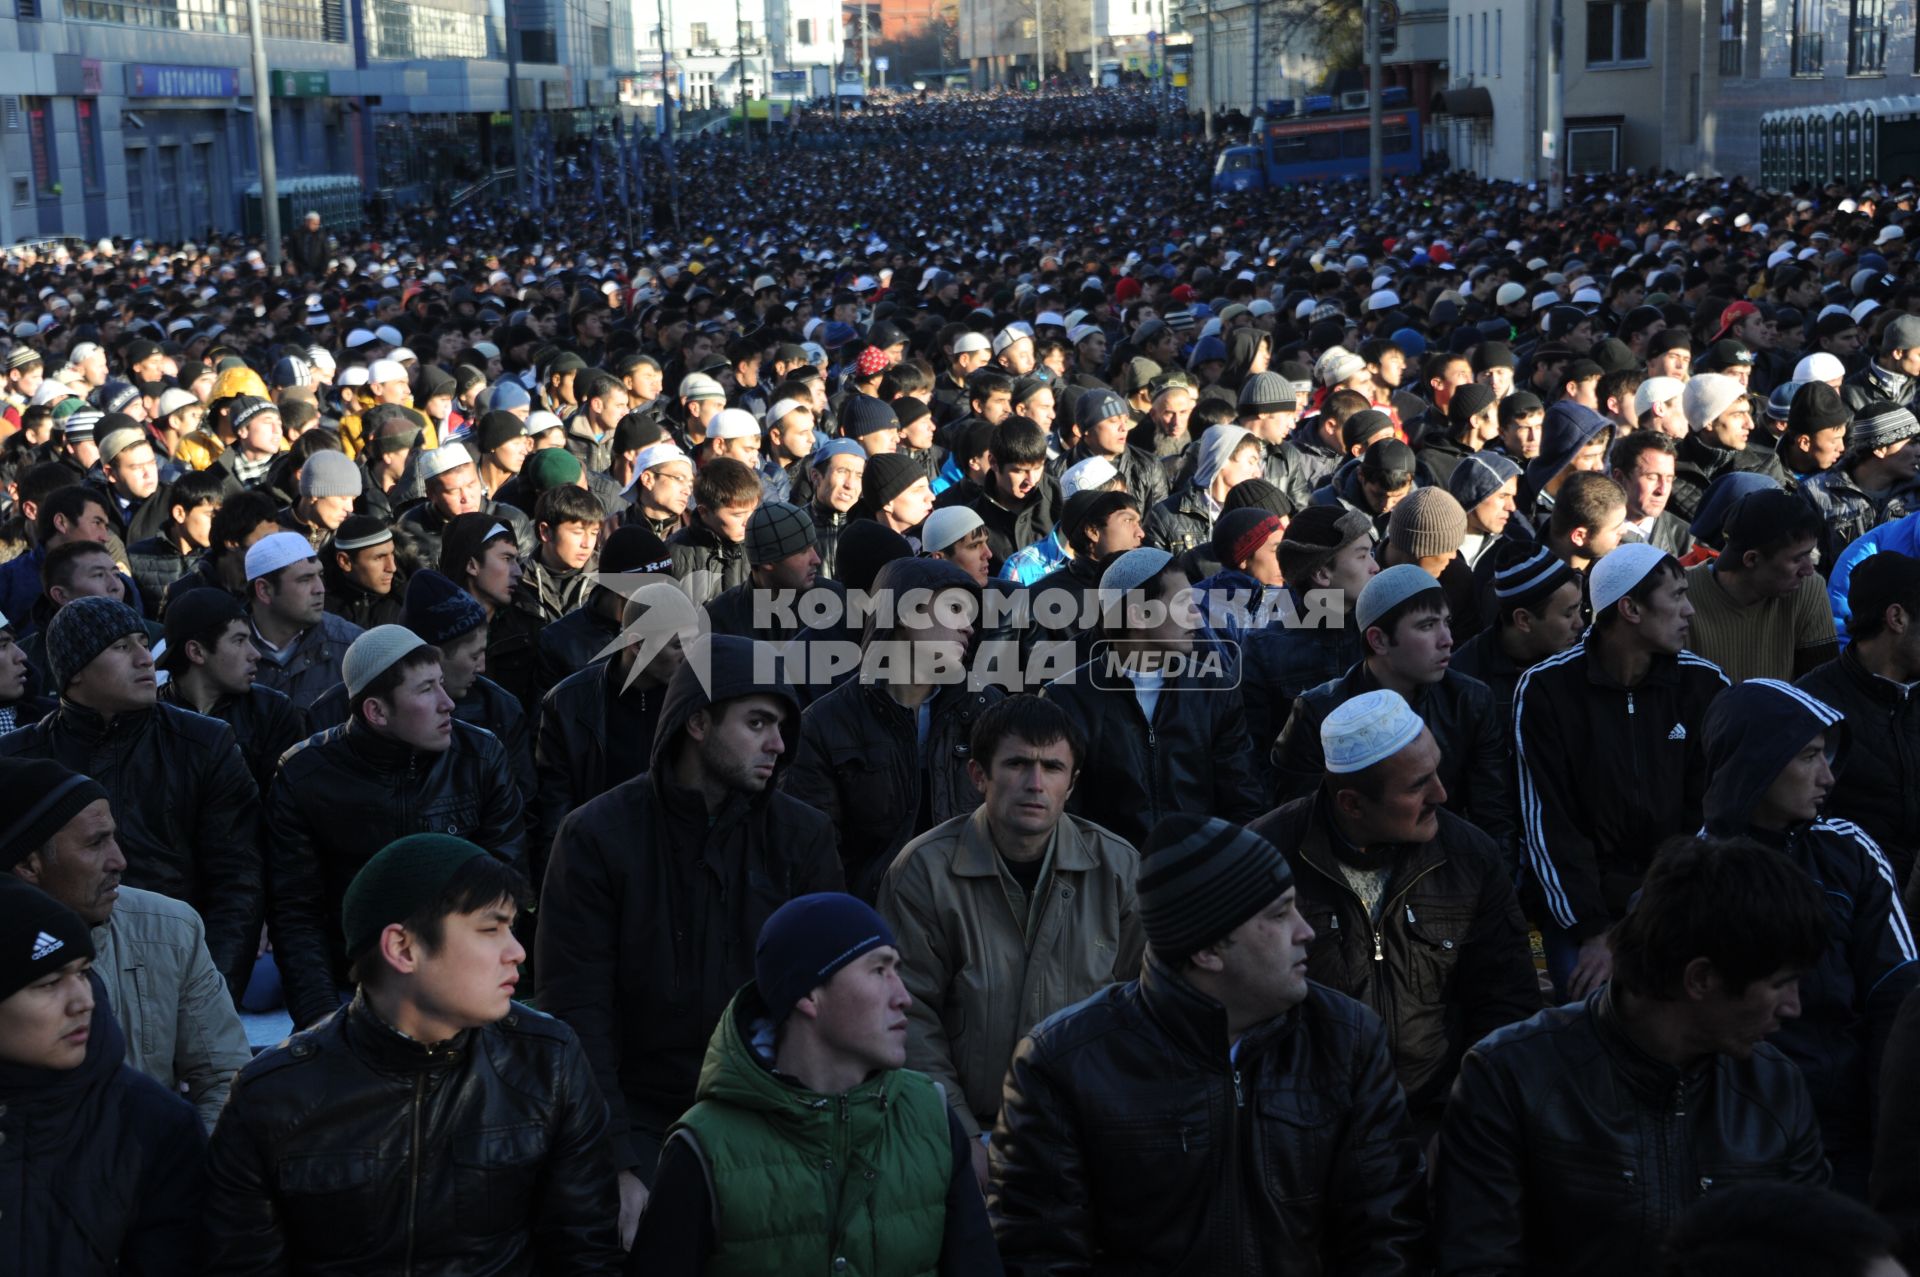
column 980, row 979
column 173, row 1006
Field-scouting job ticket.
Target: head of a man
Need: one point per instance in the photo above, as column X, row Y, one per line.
column 429, row 930
column 567, row 520
column 735, row 746
column 1652, row 611
column 62, row 838
column 725, row 495
column 1383, row 789
column 46, row 1002
column 284, row 581
column 1219, row 908
column 1721, row 933
column 398, row 689
column 1410, row 639
column 97, row 656
column 827, row 970
column 1025, row 760
column 1771, row 536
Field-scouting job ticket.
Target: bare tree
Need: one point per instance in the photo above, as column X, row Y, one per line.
column 1331, row 32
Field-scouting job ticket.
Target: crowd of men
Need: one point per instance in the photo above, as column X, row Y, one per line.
column 971, row 709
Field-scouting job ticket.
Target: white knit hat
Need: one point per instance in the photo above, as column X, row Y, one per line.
column 1368, row 728
column 1707, row 396
column 1615, row 576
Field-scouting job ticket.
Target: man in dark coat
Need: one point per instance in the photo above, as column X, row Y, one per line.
column 1222, row 1114
column 102, row 1169
column 1412, row 908
column 402, row 764
column 657, row 889
column 884, row 755
column 186, row 810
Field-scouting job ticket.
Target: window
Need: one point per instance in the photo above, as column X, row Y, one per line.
column 1499, row 39
column 40, row 139
column 1616, row 32
column 284, row 19
column 430, row 29
column 1807, row 38
column 600, row 46
column 804, row 30
column 1732, row 36
column 1459, row 57
column 697, row 35
column 93, row 174
column 1867, row 37
column 1484, row 61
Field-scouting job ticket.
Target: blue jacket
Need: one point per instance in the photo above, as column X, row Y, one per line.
column 20, row 584
column 1901, row 536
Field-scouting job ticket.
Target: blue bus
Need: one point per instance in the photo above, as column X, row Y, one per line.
column 1319, row 148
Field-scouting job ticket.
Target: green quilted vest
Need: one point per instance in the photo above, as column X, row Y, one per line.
column 851, row 1185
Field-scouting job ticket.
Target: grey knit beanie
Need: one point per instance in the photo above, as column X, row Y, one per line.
column 329, row 474
column 82, row 630
column 374, row 653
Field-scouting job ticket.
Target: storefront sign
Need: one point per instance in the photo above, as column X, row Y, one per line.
column 145, row 81
column 299, row 84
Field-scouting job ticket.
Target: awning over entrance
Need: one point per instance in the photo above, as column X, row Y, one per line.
column 1469, row 103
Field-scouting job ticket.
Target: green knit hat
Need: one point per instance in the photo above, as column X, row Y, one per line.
column 402, row 877
column 550, row 468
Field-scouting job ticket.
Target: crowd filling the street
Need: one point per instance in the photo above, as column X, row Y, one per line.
column 932, row 695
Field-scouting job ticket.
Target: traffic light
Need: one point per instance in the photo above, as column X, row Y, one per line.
column 1389, row 39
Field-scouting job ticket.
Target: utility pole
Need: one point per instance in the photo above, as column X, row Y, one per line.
column 740, row 89
column 1253, row 85
column 513, row 102
column 1207, row 106
column 1373, row 101
column 263, row 138
column 1040, row 46
column 666, row 122
column 1556, row 106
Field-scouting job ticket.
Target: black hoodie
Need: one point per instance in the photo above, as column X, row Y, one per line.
column 1847, row 1002
column 652, row 905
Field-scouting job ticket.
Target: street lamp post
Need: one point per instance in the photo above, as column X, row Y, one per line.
column 263, row 138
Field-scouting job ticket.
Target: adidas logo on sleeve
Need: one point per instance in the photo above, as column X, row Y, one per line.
column 1679, row 732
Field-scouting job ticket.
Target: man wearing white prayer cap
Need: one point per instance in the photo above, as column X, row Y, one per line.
column 301, row 644
column 1413, row 908
column 1607, row 741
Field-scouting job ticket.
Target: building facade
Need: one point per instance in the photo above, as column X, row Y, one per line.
column 786, row 48
column 1661, row 83
column 134, row 118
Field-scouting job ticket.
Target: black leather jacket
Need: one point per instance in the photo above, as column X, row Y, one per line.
column 1475, row 759
column 859, row 764
column 1194, row 755
column 352, row 1149
column 187, row 811
column 1568, row 1150
column 1445, row 963
column 1131, row 1143
column 341, row 796
column 486, row 704
column 265, row 725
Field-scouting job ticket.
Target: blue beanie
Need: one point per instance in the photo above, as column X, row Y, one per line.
column 808, row 939
column 438, row 610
